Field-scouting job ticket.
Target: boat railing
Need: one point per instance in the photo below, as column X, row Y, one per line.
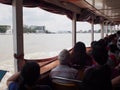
column 45, row 61
column 48, row 63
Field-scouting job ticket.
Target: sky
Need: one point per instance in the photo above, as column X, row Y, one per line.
column 37, row 16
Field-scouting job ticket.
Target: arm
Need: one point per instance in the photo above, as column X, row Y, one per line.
column 13, row 78
column 116, row 81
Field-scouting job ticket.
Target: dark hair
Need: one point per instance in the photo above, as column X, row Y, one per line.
column 79, row 56
column 30, row 73
column 113, row 48
column 118, row 33
column 79, row 47
column 100, row 53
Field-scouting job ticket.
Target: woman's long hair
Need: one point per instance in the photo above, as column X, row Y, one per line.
column 79, row 56
column 29, row 75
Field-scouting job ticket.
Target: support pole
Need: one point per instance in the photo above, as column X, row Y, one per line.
column 106, row 28
column 92, row 31
column 117, row 27
column 18, row 34
column 74, row 30
column 111, row 28
column 102, row 30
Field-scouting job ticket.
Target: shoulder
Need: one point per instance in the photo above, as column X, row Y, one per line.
column 13, row 86
column 116, row 81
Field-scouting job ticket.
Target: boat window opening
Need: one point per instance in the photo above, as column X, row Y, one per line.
column 51, row 35
column 6, row 44
column 84, row 33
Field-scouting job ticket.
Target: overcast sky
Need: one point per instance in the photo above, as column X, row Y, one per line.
column 37, row 16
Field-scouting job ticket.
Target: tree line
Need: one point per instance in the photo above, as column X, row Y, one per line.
column 26, row 29
column 4, row 28
column 30, row 29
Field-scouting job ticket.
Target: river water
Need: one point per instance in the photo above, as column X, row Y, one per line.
column 42, row 45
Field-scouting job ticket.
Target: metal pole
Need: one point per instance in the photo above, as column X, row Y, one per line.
column 102, row 30
column 111, row 28
column 106, row 28
column 92, row 31
column 74, row 30
column 18, row 33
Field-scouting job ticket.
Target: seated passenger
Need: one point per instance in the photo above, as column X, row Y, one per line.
column 116, row 82
column 118, row 34
column 118, row 46
column 80, row 59
column 97, row 79
column 112, row 60
column 112, row 56
column 100, row 55
column 98, row 76
column 27, row 78
column 91, row 45
column 63, row 70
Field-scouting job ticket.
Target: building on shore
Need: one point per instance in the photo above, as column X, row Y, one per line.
column 38, row 29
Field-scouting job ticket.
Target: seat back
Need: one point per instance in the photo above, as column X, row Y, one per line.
column 73, row 85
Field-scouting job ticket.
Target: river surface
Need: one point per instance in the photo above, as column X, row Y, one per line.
column 42, row 45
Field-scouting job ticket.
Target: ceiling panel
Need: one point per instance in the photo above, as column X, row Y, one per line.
column 110, row 8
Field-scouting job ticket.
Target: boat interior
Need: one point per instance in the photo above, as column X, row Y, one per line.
column 105, row 12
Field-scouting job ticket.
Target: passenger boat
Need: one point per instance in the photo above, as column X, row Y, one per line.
column 103, row 12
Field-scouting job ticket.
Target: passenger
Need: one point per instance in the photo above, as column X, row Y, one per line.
column 118, row 51
column 63, row 70
column 112, row 56
column 118, row 34
column 79, row 57
column 98, row 76
column 91, row 45
column 90, row 51
column 112, row 60
column 116, row 82
column 27, row 78
column 97, row 79
column 100, row 56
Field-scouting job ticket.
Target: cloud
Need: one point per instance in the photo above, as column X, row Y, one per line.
column 5, row 14
column 37, row 16
column 53, row 22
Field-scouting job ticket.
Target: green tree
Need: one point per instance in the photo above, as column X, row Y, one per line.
column 4, row 28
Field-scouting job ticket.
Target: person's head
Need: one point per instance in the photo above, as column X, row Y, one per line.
column 79, row 48
column 64, row 57
column 118, row 43
column 79, row 57
column 93, row 43
column 30, row 73
column 100, row 54
column 113, row 48
column 118, row 34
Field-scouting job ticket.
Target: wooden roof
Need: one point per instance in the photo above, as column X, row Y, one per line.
column 101, row 10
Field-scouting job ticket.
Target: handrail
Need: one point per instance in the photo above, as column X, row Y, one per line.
column 62, row 78
column 46, row 61
column 42, row 60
